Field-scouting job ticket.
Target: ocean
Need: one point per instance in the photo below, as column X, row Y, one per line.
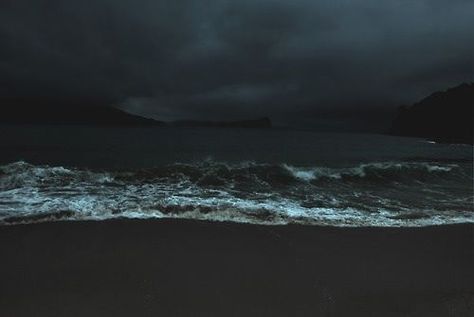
column 259, row 176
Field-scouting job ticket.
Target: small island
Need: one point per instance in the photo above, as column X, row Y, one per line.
column 256, row 123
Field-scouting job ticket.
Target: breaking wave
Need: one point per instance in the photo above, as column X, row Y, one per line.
column 369, row 194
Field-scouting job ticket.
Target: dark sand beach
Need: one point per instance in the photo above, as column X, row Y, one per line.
column 190, row 268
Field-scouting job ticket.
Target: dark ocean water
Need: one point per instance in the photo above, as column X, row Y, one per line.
column 271, row 176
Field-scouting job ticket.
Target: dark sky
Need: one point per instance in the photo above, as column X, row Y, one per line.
column 296, row 61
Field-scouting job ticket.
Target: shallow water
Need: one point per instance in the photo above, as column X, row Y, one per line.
column 243, row 175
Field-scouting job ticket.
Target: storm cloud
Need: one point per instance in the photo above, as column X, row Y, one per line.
column 220, row 58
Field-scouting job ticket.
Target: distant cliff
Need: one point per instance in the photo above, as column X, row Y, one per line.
column 443, row 116
column 257, row 123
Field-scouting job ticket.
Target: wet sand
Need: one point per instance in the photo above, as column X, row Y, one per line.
column 191, row 268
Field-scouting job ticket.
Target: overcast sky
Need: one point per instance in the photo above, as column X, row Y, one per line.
column 294, row 59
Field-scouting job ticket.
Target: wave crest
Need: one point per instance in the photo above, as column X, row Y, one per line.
column 380, row 171
column 217, row 174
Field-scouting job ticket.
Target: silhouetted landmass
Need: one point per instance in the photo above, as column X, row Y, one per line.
column 443, row 116
column 54, row 112
column 86, row 112
column 257, row 123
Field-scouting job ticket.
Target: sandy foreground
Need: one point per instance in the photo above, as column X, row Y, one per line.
column 192, row 268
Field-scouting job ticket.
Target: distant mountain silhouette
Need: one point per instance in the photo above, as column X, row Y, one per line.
column 257, row 123
column 45, row 111
column 443, row 116
column 54, row 112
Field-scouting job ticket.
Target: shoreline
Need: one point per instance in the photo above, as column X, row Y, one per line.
column 53, row 218
column 178, row 267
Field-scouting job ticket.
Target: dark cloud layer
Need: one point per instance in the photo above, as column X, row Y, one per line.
column 221, row 58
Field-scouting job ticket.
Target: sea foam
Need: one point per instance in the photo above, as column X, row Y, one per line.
column 368, row 194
